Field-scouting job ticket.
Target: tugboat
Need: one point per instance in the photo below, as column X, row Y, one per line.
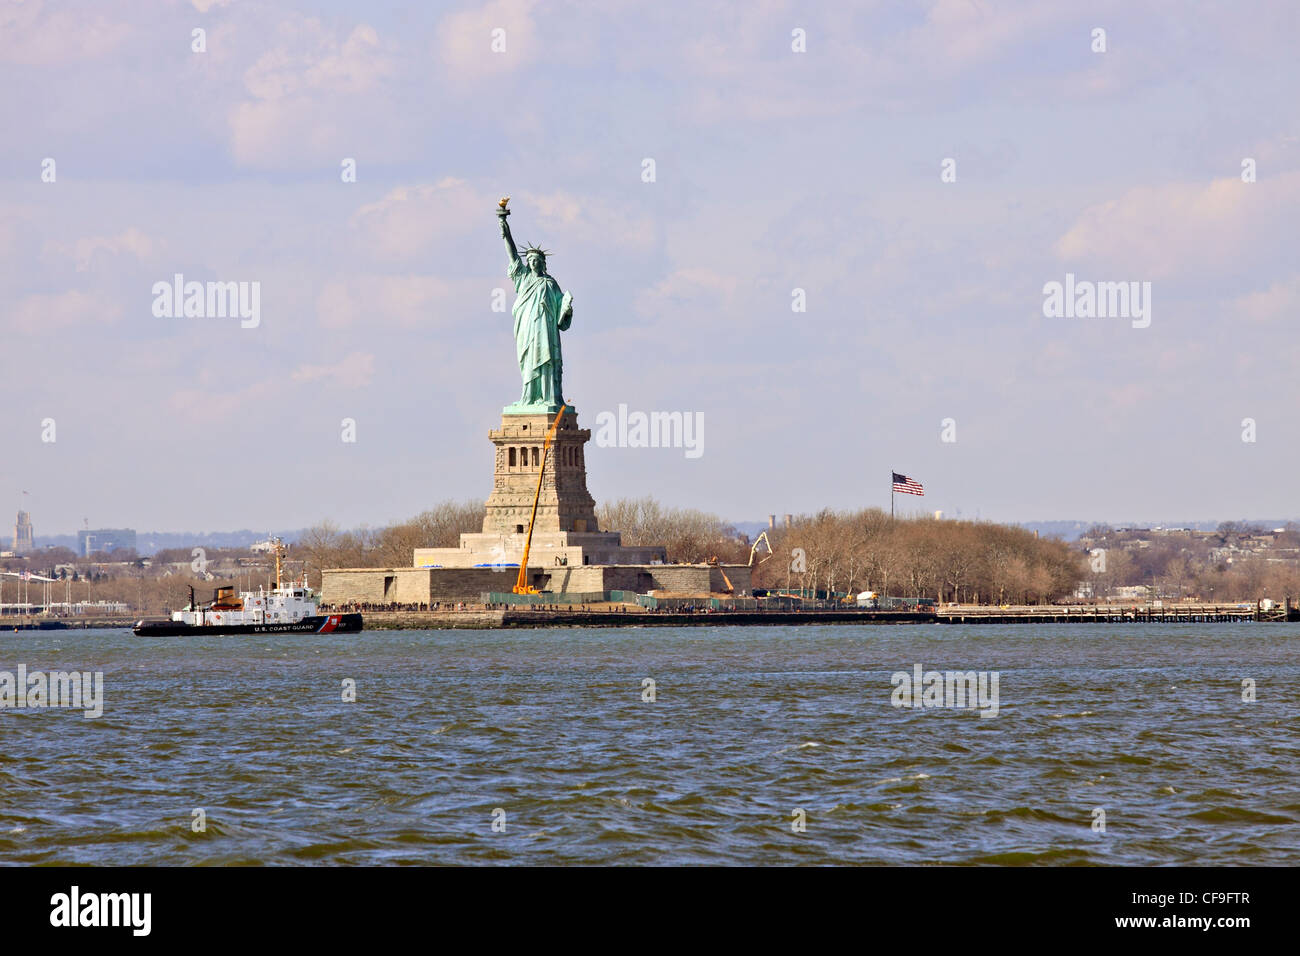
column 283, row 609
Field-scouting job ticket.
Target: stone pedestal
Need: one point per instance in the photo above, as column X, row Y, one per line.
column 564, row 503
column 565, row 532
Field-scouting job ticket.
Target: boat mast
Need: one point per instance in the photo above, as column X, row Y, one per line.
column 278, row 547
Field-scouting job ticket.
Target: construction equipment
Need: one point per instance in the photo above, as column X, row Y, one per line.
column 521, row 584
column 714, row 562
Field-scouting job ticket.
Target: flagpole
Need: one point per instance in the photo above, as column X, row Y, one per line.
column 891, row 496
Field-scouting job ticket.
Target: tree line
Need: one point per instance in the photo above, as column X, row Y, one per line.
column 325, row 545
column 962, row 561
column 839, row 551
column 834, row 551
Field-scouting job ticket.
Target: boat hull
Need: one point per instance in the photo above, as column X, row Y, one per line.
column 318, row 624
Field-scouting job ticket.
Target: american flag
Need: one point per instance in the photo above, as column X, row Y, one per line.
column 907, row 486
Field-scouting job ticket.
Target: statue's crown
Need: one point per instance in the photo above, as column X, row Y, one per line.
column 532, row 248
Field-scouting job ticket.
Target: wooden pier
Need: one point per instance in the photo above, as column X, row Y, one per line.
column 1114, row 614
column 37, row 622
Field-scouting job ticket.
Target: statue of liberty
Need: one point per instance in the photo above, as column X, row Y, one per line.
column 542, row 311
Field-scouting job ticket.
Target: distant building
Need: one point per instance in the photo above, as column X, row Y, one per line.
column 105, row 539
column 23, row 533
column 1134, row 592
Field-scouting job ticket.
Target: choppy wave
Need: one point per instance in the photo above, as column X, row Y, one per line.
column 763, row 745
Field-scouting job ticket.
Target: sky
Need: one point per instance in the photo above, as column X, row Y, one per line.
column 752, row 205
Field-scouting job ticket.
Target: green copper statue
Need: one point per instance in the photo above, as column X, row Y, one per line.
column 542, row 311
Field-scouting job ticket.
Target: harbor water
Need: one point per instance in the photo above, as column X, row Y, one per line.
column 1123, row 744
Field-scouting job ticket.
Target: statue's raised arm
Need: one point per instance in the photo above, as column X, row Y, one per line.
column 502, row 213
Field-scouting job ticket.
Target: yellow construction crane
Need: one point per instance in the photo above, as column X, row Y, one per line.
column 521, row 584
column 713, row 560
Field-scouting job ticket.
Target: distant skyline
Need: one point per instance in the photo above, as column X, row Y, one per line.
column 781, row 177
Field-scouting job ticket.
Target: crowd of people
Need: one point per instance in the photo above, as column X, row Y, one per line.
column 352, row 607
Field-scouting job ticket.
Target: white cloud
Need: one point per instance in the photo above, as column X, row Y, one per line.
column 31, row 35
column 204, row 406
column 211, row 400
column 41, row 312
column 315, row 97
column 587, row 219
column 1183, row 228
column 82, row 251
column 962, row 32
column 405, row 300
column 1281, row 300
column 354, row 66
column 409, row 219
column 465, row 39
column 690, row 288
column 8, row 235
column 354, row 371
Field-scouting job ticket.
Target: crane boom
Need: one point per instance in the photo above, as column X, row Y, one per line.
column 521, row 583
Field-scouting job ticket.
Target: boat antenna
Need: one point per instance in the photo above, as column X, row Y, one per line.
column 278, row 547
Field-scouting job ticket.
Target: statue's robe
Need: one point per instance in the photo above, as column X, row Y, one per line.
column 541, row 313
